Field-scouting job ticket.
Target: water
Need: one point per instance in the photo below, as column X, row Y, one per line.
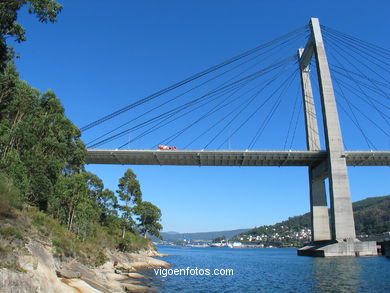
column 272, row 270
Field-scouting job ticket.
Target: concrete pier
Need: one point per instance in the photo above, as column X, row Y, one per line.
column 341, row 239
column 318, row 204
column 349, row 247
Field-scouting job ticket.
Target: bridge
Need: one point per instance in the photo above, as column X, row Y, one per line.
column 333, row 232
column 231, row 158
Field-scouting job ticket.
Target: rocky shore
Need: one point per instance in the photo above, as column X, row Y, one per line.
column 41, row 272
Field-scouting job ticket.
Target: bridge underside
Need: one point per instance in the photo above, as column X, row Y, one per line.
column 231, row 158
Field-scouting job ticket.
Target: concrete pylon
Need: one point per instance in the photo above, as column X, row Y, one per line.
column 343, row 224
column 343, row 240
column 318, row 202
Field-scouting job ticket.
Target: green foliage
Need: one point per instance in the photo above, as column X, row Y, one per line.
column 129, row 192
column 64, row 247
column 149, row 217
column 9, row 195
column 9, row 260
column 372, row 217
column 42, row 169
column 11, row 232
column 37, row 141
column 132, row 243
column 129, row 187
column 219, row 239
column 45, row 10
column 50, row 227
column 100, row 259
column 67, row 243
column 70, row 198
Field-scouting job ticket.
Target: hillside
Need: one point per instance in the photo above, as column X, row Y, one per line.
column 372, row 217
column 38, row 254
column 204, row 236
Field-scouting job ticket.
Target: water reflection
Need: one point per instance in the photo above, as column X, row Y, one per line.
column 339, row 274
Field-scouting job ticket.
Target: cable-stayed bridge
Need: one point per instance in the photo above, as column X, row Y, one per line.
column 231, row 158
column 205, row 111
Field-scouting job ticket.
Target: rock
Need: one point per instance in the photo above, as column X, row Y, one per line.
column 157, row 254
column 138, row 276
column 108, row 280
column 68, row 274
column 96, row 285
column 149, row 262
column 133, row 282
column 125, row 267
column 152, row 253
column 46, row 274
column 116, row 277
column 138, row 288
column 80, row 286
column 28, row 262
column 80, row 268
column 42, row 254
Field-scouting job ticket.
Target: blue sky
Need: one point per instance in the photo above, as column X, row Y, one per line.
column 103, row 55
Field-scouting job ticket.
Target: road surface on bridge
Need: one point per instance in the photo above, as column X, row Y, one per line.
column 230, row 158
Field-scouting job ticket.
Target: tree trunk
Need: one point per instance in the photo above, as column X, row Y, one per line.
column 68, row 221
column 70, row 218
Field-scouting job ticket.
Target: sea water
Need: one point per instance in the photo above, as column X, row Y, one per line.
column 267, row 270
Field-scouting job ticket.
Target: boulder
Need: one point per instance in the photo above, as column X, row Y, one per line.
column 28, row 262
column 138, row 288
column 68, row 274
column 137, row 276
column 125, row 268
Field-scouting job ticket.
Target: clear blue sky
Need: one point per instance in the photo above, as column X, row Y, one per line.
column 103, row 55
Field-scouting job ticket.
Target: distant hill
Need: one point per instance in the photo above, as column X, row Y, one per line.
column 205, row 236
column 372, row 217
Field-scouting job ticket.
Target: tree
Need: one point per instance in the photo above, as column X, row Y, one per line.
column 149, row 218
column 70, row 198
column 129, row 192
column 75, row 201
column 37, row 141
column 105, row 203
column 219, row 239
column 45, row 10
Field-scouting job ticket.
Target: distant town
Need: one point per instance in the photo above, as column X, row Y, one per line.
column 272, row 237
column 371, row 221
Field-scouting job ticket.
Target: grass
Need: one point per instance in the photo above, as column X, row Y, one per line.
column 9, row 196
column 10, row 232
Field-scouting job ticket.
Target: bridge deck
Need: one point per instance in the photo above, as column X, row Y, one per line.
column 231, row 158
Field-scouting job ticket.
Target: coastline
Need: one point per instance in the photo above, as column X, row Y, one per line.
column 41, row 272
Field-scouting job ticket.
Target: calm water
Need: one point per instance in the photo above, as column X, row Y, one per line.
column 273, row 270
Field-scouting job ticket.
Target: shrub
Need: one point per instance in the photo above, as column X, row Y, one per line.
column 10, row 232
column 100, row 259
column 132, row 243
column 9, row 195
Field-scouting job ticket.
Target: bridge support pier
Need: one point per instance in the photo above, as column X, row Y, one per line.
column 319, row 210
column 318, row 204
column 340, row 240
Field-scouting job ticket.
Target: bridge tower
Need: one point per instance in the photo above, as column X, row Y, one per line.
column 337, row 236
